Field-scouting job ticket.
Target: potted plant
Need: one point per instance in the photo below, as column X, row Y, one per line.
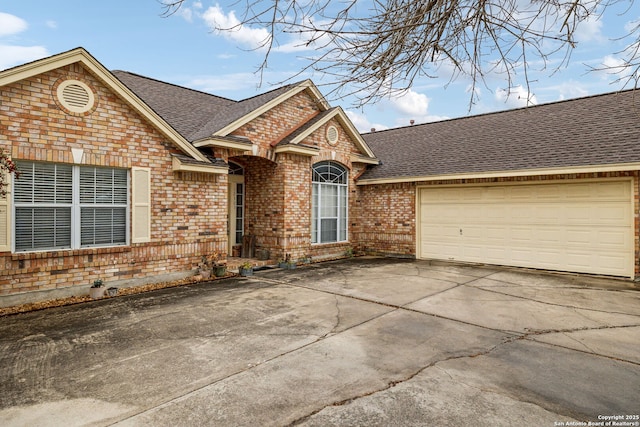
column 287, row 263
column 218, row 266
column 97, row 289
column 246, row 269
column 305, row 260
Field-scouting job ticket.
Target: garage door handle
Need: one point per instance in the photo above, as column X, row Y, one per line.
column 461, row 231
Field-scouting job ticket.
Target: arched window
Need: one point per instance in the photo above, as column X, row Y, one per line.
column 329, row 203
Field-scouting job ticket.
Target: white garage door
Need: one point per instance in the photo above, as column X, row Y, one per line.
column 581, row 227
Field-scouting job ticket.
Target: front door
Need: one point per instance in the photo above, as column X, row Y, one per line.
column 236, row 210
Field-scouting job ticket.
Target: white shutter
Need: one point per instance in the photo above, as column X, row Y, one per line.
column 5, row 236
column 141, row 205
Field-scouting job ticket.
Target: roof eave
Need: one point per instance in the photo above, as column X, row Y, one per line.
column 297, row 149
column 223, row 143
column 367, row 160
column 179, row 166
column 621, row 167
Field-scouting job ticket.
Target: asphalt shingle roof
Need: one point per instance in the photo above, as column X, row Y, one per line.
column 236, row 111
column 186, row 110
column 596, row 130
column 193, row 114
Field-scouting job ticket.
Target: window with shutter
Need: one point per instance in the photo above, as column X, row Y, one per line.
column 68, row 206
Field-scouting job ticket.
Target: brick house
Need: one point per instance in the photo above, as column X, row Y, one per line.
column 122, row 189
column 132, row 180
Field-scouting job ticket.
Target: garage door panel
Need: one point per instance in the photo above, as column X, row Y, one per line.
column 611, row 262
column 613, row 214
column 616, row 240
column 619, row 190
column 584, row 227
column 579, row 237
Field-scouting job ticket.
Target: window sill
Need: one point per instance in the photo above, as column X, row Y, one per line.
column 61, row 253
column 330, row 244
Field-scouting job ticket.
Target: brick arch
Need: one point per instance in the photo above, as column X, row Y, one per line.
column 333, row 156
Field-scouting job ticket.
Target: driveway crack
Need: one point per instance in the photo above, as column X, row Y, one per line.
column 554, row 304
column 394, row 383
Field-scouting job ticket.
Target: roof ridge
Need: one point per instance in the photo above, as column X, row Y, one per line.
column 173, row 84
column 511, row 110
column 290, row 85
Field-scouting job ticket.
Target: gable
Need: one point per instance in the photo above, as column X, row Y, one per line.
column 332, row 130
column 82, row 58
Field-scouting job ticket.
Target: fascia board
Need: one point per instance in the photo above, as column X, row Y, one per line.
column 621, row 167
column 178, row 166
column 221, row 143
column 81, row 55
column 297, row 149
column 360, row 159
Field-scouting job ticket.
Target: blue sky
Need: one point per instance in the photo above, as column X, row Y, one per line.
column 183, row 49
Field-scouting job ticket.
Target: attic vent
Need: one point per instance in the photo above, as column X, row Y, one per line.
column 76, row 96
column 332, row 135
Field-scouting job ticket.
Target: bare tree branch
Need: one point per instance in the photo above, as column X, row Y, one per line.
column 373, row 49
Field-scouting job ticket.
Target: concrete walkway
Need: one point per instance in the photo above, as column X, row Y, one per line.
column 362, row 342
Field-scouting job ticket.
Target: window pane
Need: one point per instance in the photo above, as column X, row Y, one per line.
column 343, row 214
column 102, row 226
column 43, row 183
column 40, row 228
column 103, row 186
column 314, row 212
column 329, row 202
column 329, row 231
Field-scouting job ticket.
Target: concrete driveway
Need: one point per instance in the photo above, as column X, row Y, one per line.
column 362, row 342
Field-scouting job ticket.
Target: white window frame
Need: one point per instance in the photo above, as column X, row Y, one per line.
column 341, row 202
column 76, row 208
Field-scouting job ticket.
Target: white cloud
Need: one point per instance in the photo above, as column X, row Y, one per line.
column 590, row 31
column 615, row 65
column 515, row 97
column 52, row 24
column 230, row 27
column 361, row 122
column 411, row 103
column 15, row 55
column 186, row 13
column 568, row 90
column 11, row 24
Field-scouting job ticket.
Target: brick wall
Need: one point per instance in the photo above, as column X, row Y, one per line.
column 188, row 209
column 386, row 219
column 278, row 192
